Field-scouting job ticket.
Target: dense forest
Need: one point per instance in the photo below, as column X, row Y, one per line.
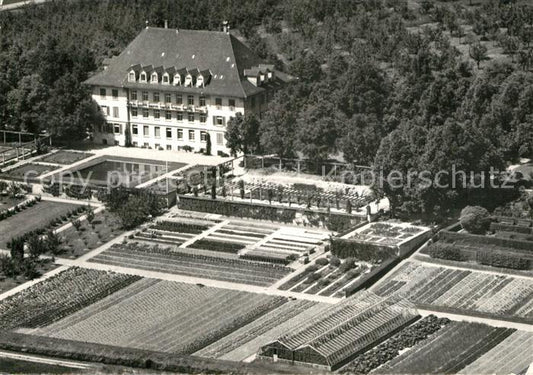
column 398, row 84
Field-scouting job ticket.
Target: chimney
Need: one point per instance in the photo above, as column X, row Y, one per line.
column 166, row 24
column 225, row 27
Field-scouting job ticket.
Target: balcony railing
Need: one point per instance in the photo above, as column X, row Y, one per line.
column 169, row 106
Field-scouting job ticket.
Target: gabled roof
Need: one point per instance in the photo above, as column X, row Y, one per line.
column 219, row 52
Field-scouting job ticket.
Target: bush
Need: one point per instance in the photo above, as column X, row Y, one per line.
column 334, row 261
column 475, row 219
column 347, row 265
column 344, row 248
column 322, row 261
column 496, row 259
column 447, row 251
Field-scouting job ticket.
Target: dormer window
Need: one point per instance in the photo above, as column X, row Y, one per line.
column 188, row 80
column 200, row 81
column 143, row 77
column 166, row 79
column 131, row 76
column 154, row 78
column 262, row 77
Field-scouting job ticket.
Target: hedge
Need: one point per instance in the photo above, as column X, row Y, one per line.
column 494, row 227
column 348, row 248
column 497, row 259
column 446, row 251
column 130, row 357
column 477, row 240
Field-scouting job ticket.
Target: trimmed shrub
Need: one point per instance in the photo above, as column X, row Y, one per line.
column 322, row 261
column 344, row 248
column 446, row 251
column 496, row 259
column 475, row 219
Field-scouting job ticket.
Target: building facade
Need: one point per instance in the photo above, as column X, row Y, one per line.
column 178, row 89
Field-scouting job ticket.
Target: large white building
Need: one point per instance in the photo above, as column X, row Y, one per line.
column 170, row 89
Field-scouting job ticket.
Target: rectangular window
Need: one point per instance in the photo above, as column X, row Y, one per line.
column 157, row 146
column 168, row 98
column 219, row 120
column 103, row 93
column 115, row 112
column 179, row 116
column 202, row 101
column 203, row 136
column 169, row 147
column 179, row 99
column 218, row 102
column 145, row 96
column 169, row 133
column 114, row 92
column 156, row 97
column 191, row 135
column 134, row 112
column 190, row 100
column 117, row 129
column 180, row 134
column 203, row 117
column 168, row 115
column 220, row 138
column 190, row 117
column 232, row 104
column 109, row 128
column 156, row 114
column 134, row 129
column 134, row 95
column 157, row 132
column 146, row 113
column 146, row 131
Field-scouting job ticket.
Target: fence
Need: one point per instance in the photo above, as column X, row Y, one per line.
column 332, row 169
column 19, row 145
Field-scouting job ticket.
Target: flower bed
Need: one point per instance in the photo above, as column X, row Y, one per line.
column 173, row 226
column 225, row 247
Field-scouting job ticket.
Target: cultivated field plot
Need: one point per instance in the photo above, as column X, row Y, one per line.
column 389, row 233
column 512, row 356
column 460, row 289
column 191, row 262
column 65, row 157
column 250, row 240
column 32, row 218
column 164, row 316
column 59, row 296
column 76, row 242
column 28, row 171
column 247, row 340
column 327, row 277
column 7, row 202
column 448, row 351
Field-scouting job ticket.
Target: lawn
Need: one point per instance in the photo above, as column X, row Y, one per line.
column 7, row 202
column 104, row 228
column 7, row 283
column 32, row 218
column 30, row 170
column 66, row 157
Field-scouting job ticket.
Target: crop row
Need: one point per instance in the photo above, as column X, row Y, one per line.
column 173, row 226
column 460, row 289
column 450, row 350
column 391, row 348
column 225, row 247
column 170, row 317
column 159, row 259
column 59, row 296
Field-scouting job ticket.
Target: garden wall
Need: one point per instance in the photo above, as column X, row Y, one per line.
column 260, row 211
